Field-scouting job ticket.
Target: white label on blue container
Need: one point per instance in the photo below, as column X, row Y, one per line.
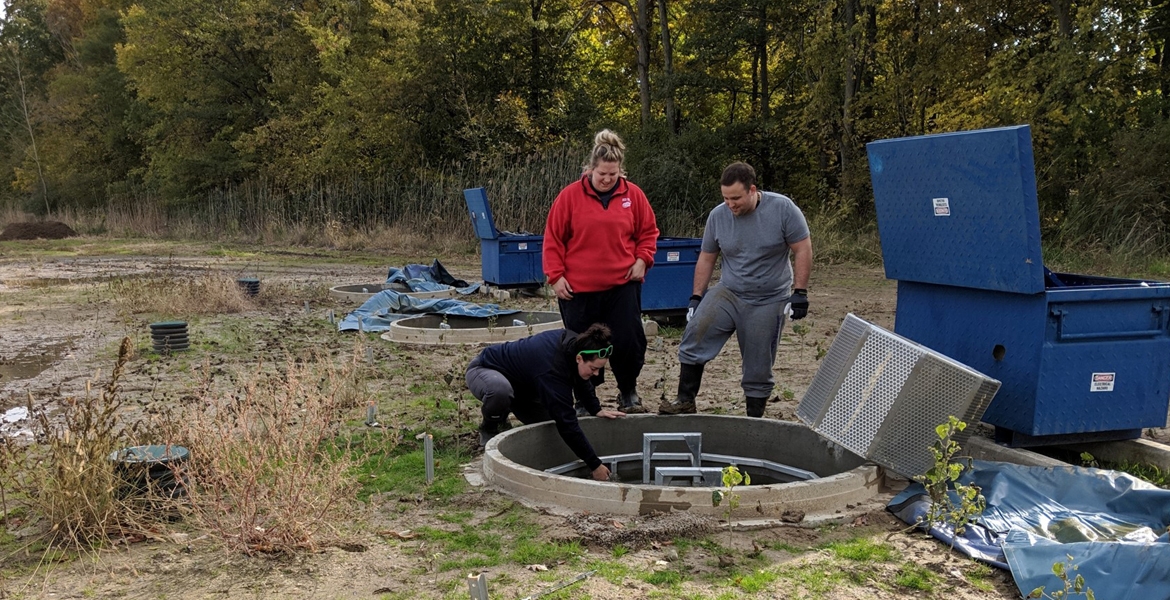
column 1102, row 382
column 942, row 207
column 523, row 245
column 672, row 257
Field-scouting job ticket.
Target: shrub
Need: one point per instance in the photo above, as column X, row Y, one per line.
column 265, row 473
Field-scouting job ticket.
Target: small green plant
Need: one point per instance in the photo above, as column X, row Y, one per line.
column 951, row 503
column 1088, row 460
column 801, row 330
column 1074, row 586
column 732, row 477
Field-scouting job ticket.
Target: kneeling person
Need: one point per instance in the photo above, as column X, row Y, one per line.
column 536, row 379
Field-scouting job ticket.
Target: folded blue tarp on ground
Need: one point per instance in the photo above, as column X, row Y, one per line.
column 433, row 278
column 387, row 306
column 1112, row 524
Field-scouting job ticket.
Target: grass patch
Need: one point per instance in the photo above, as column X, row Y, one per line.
column 619, row 551
column 756, row 581
column 979, row 576
column 531, row 552
column 403, row 472
column 666, row 578
column 862, row 550
column 814, row 579
column 613, row 572
column 1145, row 472
column 916, row 577
column 510, row 537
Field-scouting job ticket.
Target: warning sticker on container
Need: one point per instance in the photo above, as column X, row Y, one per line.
column 672, row 257
column 522, row 245
column 942, row 207
column 1102, row 382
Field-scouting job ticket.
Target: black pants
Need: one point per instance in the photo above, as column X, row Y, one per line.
column 495, row 392
column 621, row 309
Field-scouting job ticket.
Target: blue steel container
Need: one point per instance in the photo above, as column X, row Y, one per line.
column 1080, row 357
column 670, row 282
column 508, row 260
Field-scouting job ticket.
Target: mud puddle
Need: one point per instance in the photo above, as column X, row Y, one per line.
column 31, row 364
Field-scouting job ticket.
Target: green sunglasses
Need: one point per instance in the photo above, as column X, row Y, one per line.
column 601, row 353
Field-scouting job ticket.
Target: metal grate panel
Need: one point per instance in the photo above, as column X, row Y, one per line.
column 882, row 396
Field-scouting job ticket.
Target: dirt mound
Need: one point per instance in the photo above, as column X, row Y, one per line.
column 48, row 230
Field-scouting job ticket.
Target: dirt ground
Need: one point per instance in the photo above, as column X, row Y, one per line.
column 59, row 325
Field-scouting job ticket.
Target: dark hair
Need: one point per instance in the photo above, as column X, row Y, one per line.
column 739, row 172
column 596, row 337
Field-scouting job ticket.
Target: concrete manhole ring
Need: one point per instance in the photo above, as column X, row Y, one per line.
column 458, row 329
column 515, row 462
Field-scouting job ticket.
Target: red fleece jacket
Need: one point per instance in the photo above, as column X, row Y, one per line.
column 592, row 246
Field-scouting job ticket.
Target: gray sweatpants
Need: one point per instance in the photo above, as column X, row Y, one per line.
column 495, row 392
column 757, row 329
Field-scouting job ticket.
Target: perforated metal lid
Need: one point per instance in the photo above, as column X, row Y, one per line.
column 959, row 209
column 481, row 213
column 881, row 396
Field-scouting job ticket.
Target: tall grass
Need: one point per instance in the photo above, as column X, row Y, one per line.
column 1120, row 213
column 265, row 475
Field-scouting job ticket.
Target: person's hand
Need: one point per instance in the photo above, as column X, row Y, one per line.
column 562, row 289
column 601, row 473
column 606, row 413
column 799, row 302
column 637, row 271
column 692, row 305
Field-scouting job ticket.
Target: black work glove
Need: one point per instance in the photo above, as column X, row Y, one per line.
column 692, row 305
column 799, row 302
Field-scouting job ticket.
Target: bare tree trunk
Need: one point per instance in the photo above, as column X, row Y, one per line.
column 765, row 92
column 849, row 16
column 536, row 85
column 642, row 33
column 28, row 125
column 672, row 117
column 1063, row 10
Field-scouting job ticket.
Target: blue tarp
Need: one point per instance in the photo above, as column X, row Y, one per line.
column 388, row 306
column 1112, row 524
column 433, row 278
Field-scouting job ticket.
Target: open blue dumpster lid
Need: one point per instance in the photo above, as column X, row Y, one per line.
column 481, row 213
column 960, row 209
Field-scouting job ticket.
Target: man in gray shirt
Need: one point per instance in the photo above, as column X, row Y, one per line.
column 755, row 231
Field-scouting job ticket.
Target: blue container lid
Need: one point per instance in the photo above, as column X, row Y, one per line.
column 678, row 242
column 481, row 213
column 960, row 209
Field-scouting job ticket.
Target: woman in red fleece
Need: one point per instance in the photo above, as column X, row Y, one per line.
column 599, row 242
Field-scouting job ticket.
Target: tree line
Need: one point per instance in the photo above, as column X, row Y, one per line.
column 172, row 101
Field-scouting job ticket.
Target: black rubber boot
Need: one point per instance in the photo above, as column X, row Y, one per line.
column 755, row 406
column 630, row 403
column 690, row 377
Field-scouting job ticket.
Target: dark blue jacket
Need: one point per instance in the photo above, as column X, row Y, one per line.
column 543, row 368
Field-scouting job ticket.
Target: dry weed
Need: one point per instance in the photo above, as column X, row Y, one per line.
column 68, row 477
column 179, row 295
column 266, row 474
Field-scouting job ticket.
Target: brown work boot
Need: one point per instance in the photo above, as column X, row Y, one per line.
column 690, row 377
